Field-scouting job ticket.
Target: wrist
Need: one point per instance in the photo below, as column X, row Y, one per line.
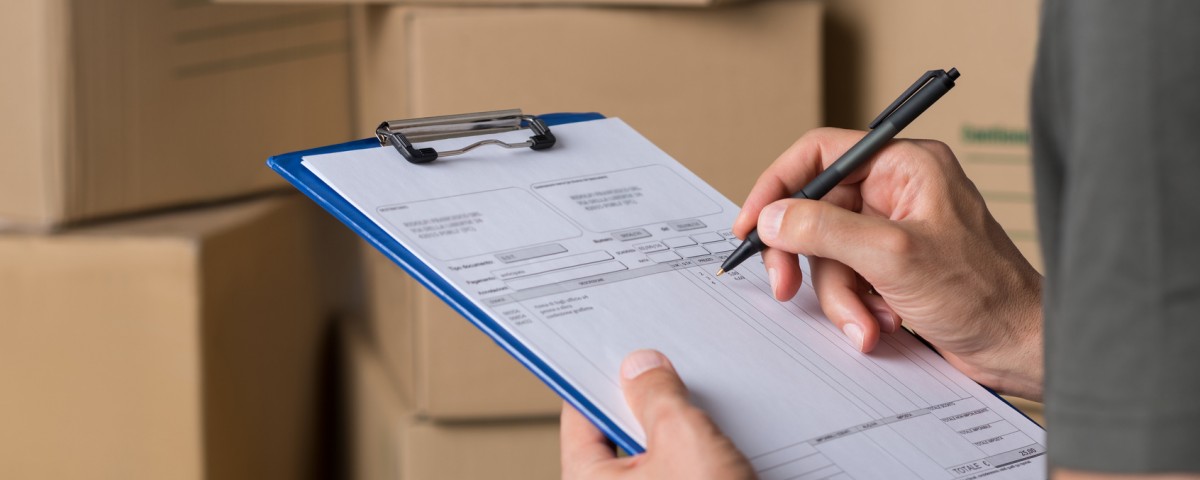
column 1016, row 366
column 1020, row 375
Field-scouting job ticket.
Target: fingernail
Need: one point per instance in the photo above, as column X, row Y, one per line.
column 887, row 321
column 770, row 221
column 855, row 334
column 640, row 362
column 773, row 277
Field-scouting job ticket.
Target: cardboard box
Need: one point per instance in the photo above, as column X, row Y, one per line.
column 388, row 441
column 117, row 106
column 723, row 90
column 185, row 345
column 877, row 48
column 443, row 366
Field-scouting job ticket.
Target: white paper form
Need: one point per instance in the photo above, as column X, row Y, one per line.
column 604, row 244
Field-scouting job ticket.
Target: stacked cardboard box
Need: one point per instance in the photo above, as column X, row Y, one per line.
column 143, row 342
column 388, row 439
column 442, row 365
column 180, row 345
column 120, row 106
column 723, row 90
column 876, row 48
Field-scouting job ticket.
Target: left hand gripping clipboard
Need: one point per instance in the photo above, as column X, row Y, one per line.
column 401, row 134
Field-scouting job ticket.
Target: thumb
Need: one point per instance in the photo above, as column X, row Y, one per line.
column 652, row 388
column 869, row 245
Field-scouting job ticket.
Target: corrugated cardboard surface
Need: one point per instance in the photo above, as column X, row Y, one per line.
column 183, row 345
column 445, row 367
column 877, row 48
column 33, row 105
column 723, row 90
column 388, row 441
column 119, row 106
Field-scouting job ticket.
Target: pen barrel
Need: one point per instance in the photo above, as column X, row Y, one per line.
column 857, row 155
column 878, row 137
column 752, row 237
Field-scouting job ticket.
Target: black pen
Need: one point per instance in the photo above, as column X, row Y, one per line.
column 912, row 103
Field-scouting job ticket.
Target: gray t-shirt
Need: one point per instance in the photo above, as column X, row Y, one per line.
column 1116, row 136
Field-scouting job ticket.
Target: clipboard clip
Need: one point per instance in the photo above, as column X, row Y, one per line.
column 402, row 133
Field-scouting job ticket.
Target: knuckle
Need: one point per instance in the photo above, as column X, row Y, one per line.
column 897, row 242
column 817, row 218
column 811, row 136
column 805, row 223
column 817, row 136
column 695, row 418
column 937, row 149
column 657, row 381
column 939, row 152
column 795, row 226
column 668, row 411
column 681, row 417
column 912, row 149
column 802, row 217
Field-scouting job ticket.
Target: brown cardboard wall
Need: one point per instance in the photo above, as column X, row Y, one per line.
column 182, row 345
column 122, row 106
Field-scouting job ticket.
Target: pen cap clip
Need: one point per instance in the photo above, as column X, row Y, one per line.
column 912, row 90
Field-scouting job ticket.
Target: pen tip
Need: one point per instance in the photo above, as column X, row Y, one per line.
column 720, row 271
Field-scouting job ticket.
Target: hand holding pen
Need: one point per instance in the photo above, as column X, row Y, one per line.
column 914, row 101
column 904, row 240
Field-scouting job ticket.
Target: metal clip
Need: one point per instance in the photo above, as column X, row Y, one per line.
column 401, row 133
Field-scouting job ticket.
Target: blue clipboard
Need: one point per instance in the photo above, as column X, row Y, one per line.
column 288, row 165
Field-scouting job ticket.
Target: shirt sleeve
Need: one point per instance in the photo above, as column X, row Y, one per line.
column 1116, row 133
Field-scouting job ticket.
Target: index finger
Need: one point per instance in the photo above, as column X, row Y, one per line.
column 799, row 164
